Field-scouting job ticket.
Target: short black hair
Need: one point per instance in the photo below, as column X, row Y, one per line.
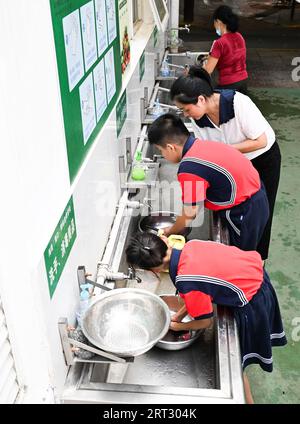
column 187, row 89
column 146, row 251
column 226, row 15
column 168, row 127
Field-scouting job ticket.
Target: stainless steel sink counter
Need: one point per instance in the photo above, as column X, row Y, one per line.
column 209, row 371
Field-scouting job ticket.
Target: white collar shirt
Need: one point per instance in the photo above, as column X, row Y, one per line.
column 240, row 119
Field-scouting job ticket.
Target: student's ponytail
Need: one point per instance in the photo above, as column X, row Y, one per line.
column 187, row 89
column 146, row 251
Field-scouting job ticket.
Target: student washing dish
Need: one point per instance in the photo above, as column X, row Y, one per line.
column 216, row 174
column 206, row 272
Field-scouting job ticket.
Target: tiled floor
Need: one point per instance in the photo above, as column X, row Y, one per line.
column 282, row 109
column 272, row 43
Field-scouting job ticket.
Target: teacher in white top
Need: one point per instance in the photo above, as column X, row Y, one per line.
column 231, row 117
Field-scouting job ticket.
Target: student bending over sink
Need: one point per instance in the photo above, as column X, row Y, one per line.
column 206, row 272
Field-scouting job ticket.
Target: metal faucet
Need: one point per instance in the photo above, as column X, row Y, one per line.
column 185, row 28
column 167, row 106
column 147, row 202
column 132, row 275
column 104, row 273
column 176, row 66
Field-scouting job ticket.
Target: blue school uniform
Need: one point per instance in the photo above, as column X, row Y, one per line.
column 206, row 272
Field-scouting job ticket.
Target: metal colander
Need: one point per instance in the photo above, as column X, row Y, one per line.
column 127, row 322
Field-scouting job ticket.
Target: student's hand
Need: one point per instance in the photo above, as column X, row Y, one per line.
column 178, row 317
column 177, row 326
column 167, row 231
column 175, row 318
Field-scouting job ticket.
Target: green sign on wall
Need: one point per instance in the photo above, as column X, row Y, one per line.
column 59, row 246
column 86, row 35
column 155, row 35
column 121, row 112
column 142, row 65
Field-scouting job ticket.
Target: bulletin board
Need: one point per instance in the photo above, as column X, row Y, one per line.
column 87, row 42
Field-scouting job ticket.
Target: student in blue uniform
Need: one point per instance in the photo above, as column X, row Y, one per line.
column 206, row 272
column 216, row 174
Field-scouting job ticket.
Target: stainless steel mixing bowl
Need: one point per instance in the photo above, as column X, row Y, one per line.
column 177, row 340
column 126, row 322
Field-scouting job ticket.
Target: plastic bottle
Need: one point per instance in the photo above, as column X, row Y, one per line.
column 84, row 302
column 157, row 109
column 165, row 70
column 138, row 172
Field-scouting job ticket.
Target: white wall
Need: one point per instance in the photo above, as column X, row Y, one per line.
column 35, row 188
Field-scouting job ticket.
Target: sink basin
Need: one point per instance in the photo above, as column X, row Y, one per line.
column 189, row 368
column 177, row 340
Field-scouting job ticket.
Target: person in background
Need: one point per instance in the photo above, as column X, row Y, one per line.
column 228, row 53
column 207, row 272
column 216, row 174
column 232, row 118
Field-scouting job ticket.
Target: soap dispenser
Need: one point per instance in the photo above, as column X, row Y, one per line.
column 138, row 172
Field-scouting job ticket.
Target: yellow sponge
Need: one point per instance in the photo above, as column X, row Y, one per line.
column 177, row 241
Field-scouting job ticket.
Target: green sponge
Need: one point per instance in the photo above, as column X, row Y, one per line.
column 138, row 173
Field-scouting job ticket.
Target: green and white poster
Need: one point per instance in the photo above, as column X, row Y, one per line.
column 59, row 246
column 121, row 112
column 142, row 66
column 124, row 38
column 87, row 42
column 155, row 35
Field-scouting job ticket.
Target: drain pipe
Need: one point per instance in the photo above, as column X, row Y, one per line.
column 103, row 273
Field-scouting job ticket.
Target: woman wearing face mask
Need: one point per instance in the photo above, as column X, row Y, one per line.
column 228, row 53
column 232, row 118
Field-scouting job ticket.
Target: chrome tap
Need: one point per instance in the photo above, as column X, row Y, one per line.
column 105, row 274
column 132, row 275
column 176, row 66
column 166, row 106
column 185, row 28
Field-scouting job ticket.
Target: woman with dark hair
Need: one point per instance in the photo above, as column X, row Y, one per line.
column 228, row 53
column 232, row 118
column 206, row 272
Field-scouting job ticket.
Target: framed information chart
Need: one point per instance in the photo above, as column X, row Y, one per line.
column 87, row 43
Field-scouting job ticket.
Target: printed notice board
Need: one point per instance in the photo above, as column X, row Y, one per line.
column 155, row 35
column 124, row 38
column 142, row 66
column 87, row 42
column 121, row 112
column 59, row 246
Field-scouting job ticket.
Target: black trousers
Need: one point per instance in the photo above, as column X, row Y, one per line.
column 240, row 86
column 268, row 167
column 246, row 222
